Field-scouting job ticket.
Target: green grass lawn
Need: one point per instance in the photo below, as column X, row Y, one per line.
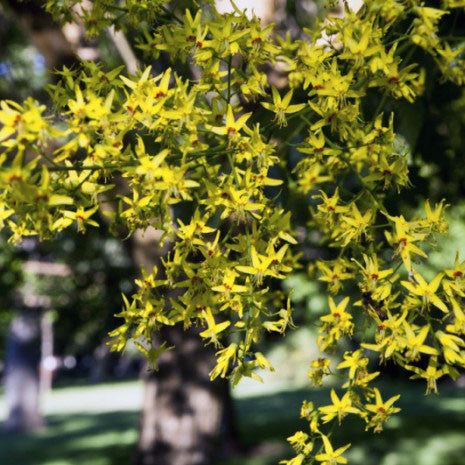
column 97, row 425
column 88, row 425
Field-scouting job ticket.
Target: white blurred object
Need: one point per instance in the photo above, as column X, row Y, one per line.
column 354, row 5
column 262, row 8
column 50, row 363
column 306, row 7
column 69, row 362
column 46, row 268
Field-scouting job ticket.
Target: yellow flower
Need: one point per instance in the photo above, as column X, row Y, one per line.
column 371, row 269
column 312, row 176
column 414, row 342
column 403, row 241
column 153, row 354
column 27, row 122
column 355, row 226
column 333, row 274
column 354, row 361
column 330, row 205
column 431, row 374
column 319, row 368
column 266, row 265
column 331, row 456
column 213, row 329
column 427, row 291
column 340, row 407
column 298, row 460
column 389, row 336
column 338, row 317
column 282, row 106
column 298, row 440
column 458, row 271
column 225, row 357
column 459, row 318
column 381, row 411
column 451, row 346
column 227, row 287
column 196, row 227
column 435, row 217
column 232, row 126
column 81, row 216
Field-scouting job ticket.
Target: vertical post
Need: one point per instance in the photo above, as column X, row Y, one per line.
column 47, row 360
column 22, row 372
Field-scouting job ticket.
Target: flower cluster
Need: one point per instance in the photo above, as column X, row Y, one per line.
column 170, row 141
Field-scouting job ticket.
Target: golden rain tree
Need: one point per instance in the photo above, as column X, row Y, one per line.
column 172, row 139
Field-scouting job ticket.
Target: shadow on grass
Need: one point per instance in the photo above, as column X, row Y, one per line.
column 428, row 431
column 84, row 439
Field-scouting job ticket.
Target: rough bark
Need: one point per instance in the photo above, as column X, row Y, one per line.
column 182, row 412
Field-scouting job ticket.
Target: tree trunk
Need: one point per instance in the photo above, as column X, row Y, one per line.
column 182, row 411
column 22, row 387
